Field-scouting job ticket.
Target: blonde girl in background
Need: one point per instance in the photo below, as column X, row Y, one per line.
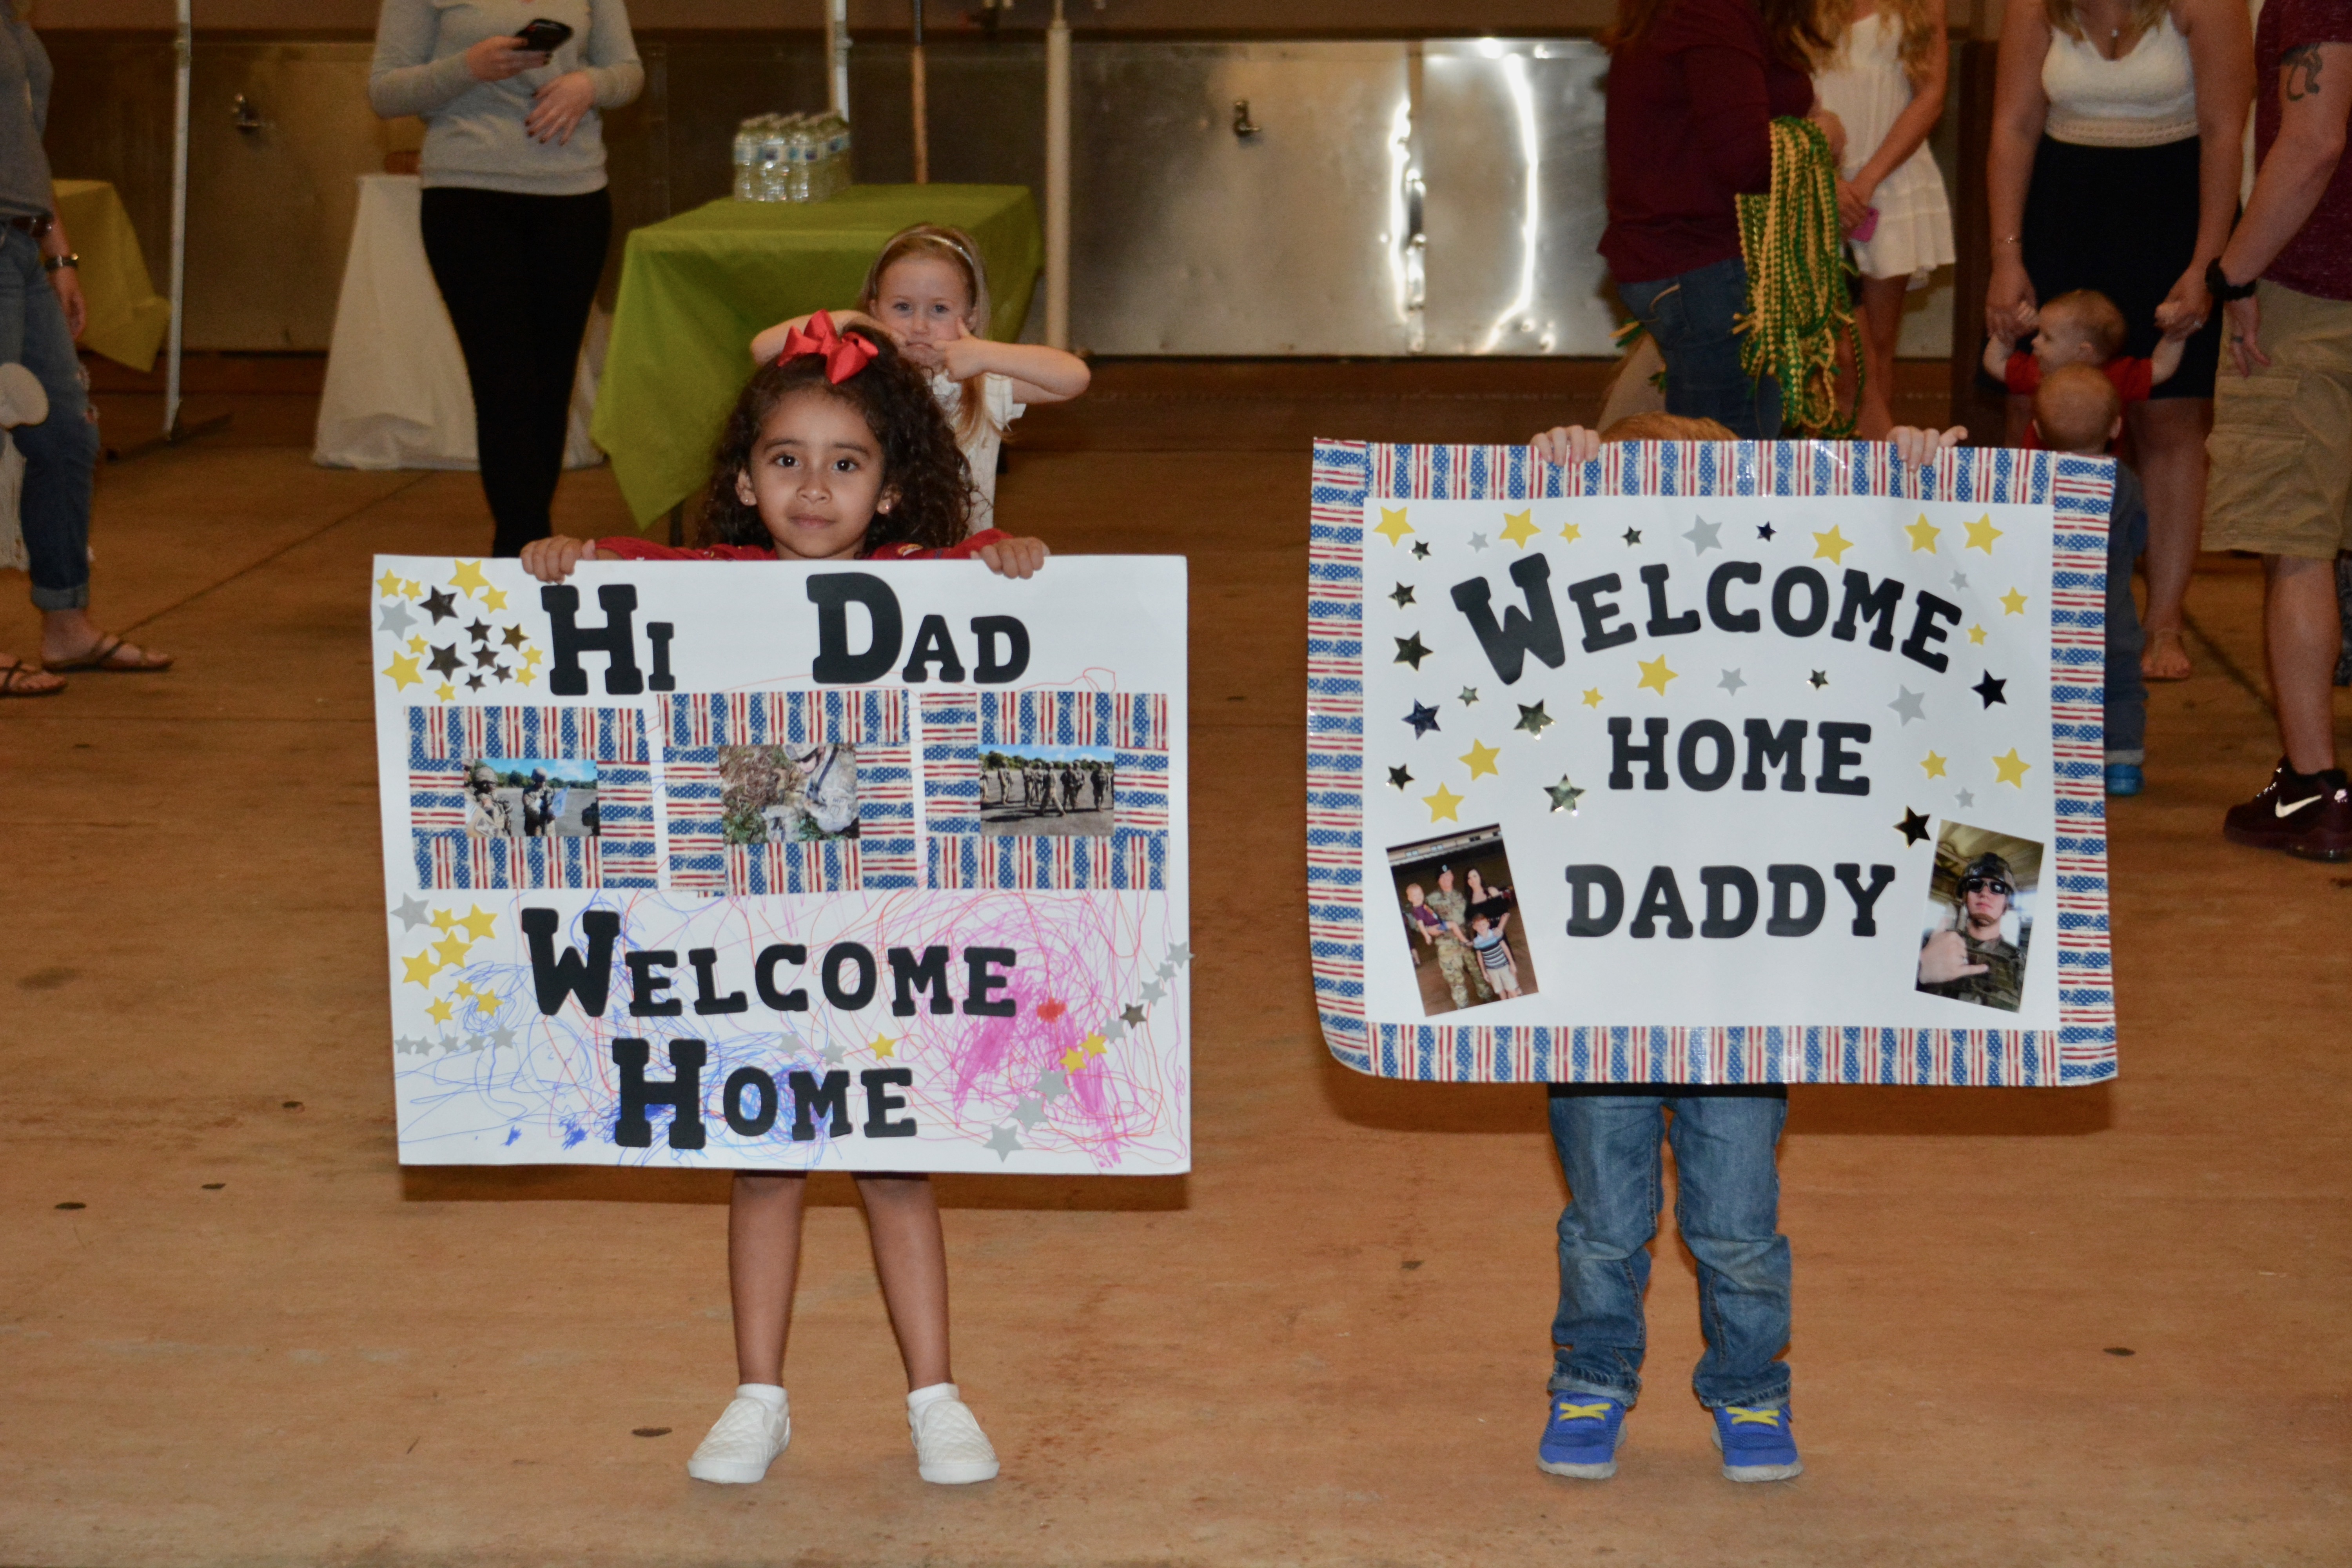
column 1884, row 76
column 928, row 290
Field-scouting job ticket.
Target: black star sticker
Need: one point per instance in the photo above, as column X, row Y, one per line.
column 1421, row 548
column 1913, row 827
column 1424, row 719
column 1992, row 690
column 474, row 681
column 1399, row 778
column 1633, row 536
column 1403, row 596
column 1533, row 719
column 443, row 660
column 1410, row 650
column 1819, row 678
column 478, row 632
column 514, row 637
column 442, row 607
column 500, row 671
column 485, row 657
column 1765, row 531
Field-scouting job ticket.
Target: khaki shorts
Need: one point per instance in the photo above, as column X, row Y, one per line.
column 2282, row 441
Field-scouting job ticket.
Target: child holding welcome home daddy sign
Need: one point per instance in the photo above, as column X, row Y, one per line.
column 835, row 451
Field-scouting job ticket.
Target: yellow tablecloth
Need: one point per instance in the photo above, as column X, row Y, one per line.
column 127, row 318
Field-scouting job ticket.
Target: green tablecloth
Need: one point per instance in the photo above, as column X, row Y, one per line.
column 696, row 289
column 127, row 318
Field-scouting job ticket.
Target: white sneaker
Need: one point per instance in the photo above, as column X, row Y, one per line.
column 23, row 399
column 743, row 1442
column 950, row 1447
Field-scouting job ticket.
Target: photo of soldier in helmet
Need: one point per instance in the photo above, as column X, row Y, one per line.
column 1975, row 950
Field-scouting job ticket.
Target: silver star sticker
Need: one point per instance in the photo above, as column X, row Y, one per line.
column 1154, row 991
column 413, row 912
column 1115, row 1030
column 501, row 1040
column 1131, row 1012
column 1959, row 579
column 1053, row 1084
column 1182, row 952
column 1732, row 680
column 1167, row 970
column 833, row 1053
column 1477, row 541
column 794, row 1043
column 1908, row 704
column 1030, row 1111
column 1966, row 798
column 1003, row 1141
column 409, row 1047
column 397, row 620
column 1469, row 696
column 1703, row 535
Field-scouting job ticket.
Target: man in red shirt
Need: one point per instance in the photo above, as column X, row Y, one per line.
column 2282, row 441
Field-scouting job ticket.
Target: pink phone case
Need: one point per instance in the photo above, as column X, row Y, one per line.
column 1869, row 225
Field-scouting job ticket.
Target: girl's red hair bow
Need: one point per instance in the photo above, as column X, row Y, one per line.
column 843, row 356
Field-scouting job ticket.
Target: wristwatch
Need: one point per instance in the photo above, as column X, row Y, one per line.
column 59, row 263
column 2218, row 284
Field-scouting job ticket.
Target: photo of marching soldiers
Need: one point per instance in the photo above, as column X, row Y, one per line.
column 530, row 797
column 1046, row 791
column 1979, row 916
column 787, row 794
column 1461, row 921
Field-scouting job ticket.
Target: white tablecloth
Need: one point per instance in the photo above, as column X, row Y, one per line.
column 395, row 395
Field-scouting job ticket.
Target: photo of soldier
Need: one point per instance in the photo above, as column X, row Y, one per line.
column 1045, row 791
column 530, row 797
column 1455, row 895
column 787, row 794
column 1979, row 921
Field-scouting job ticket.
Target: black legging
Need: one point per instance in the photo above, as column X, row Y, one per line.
column 518, row 273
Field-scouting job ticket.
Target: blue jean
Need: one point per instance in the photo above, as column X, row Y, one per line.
column 1727, row 1209
column 1689, row 316
column 2126, row 711
column 60, row 452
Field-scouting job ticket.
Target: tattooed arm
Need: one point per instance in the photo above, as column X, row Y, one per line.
column 2314, row 88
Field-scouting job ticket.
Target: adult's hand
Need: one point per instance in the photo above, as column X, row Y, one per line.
column 67, row 281
column 1854, row 206
column 495, row 59
column 1944, row 958
column 2185, row 308
column 2242, row 324
column 2009, row 302
column 561, row 105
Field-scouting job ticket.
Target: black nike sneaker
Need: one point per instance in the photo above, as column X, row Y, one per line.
column 2306, row 815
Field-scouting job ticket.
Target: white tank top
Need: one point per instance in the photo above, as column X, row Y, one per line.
column 2143, row 100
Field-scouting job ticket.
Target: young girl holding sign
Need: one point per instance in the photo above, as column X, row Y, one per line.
column 835, row 451
column 929, row 291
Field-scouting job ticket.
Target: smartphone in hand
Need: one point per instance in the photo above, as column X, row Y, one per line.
column 543, row 36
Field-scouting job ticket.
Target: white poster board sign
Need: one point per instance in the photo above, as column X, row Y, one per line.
column 1709, row 763
column 869, row 866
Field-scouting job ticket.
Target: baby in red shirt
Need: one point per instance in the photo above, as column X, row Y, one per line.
column 2080, row 328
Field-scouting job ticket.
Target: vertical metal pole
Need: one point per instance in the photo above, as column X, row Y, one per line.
column 922, row 106
column 836, row 54
column 185, row 50
column 1058, row 179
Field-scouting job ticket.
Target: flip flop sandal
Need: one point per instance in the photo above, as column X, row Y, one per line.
column 12, row 681
column 98, row 656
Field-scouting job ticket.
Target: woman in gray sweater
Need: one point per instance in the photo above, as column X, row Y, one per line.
column 516, row 216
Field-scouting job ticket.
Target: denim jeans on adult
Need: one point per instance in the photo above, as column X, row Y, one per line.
column 60, row 452
column 1727, row 1209
column 1689, row 317
column 2126, row 710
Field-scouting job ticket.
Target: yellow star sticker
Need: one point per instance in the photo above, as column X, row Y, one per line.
column 1394, row 527
column 1572, row 533
column 442, row 920
column 1981, row 533
column 1518, row 527
column 1443, row 803
column 486, row 1003
column 524, row 677
column 412, row 590
column 1934, row 764
column 1923, row 534
column 469, row 578
column 418, row 644
column 451, row 949
column 478, row 924
column 531, row 656
column 1655, row 674
column 1832, row 546
column 494, row 598
column 2011, row 768
column 2012, row 603
column 883, row 1046
column 1593, row 697
column 403, row 670
column 1094, row 1046
column 1072, row 1059
column 1481, row 758
column 420, row 968
column 438, row 1012
column 1977, row 636
column 444, row 692
column 388, row 585
column 465, row 990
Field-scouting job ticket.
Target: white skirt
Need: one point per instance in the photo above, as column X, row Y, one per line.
column 1914, row 236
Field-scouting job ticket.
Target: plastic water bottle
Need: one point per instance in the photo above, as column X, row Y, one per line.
column 774, row 163
column 746, row 161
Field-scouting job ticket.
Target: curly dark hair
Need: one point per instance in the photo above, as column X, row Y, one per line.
column 919, row 455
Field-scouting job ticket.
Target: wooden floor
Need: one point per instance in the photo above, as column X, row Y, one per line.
column 2102, row 1326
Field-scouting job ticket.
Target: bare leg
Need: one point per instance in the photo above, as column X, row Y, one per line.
column 763, row 1264
column 910, row 1255
column 2302, row 631
column 29, row 681
column 2169, row 436
column 1881, row 323
column 70, row 634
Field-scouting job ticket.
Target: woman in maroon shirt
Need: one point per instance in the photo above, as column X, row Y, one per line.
column 1692, row 91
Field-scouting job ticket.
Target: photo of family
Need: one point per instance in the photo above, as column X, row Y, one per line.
column 1045, row 791
column 1461, row 921
column 530, row 797
column 1980, row 918
column 787, row 794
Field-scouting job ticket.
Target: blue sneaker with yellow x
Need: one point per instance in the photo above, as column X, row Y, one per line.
column 1757, row 1443
column 1582, row 1432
